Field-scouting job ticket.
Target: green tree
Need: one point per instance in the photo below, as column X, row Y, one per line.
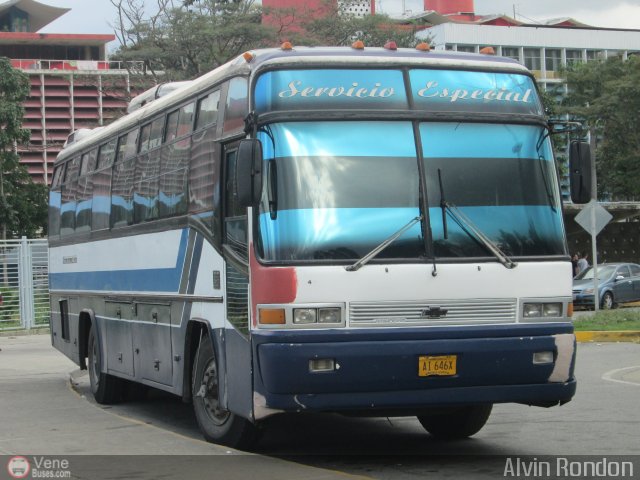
column 606, row 95
column 23, row 204
column 188, row 40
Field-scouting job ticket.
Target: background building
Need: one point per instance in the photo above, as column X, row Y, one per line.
column 72, row 84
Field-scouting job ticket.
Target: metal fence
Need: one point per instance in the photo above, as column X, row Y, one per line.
column 24, row 284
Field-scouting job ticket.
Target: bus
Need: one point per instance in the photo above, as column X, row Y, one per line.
column 364, row 231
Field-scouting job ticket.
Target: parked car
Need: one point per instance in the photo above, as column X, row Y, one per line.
column 617, row 283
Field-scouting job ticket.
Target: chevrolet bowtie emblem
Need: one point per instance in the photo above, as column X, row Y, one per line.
column 433, row 312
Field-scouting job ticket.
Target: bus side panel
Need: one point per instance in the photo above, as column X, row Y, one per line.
column 64, row 325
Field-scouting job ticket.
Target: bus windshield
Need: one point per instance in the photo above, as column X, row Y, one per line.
column 329, row 195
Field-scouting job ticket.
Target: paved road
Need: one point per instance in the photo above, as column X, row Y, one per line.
column 603, row 419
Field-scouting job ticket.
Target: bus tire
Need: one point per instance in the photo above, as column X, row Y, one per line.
column 106, row 388
column 216, row 424
column 456, row 423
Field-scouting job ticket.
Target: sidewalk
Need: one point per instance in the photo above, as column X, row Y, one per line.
column 41, row 415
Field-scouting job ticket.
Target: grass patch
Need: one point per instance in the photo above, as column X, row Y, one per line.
column 609, row 320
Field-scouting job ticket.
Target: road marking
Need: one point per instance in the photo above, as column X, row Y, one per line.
column 609, row 375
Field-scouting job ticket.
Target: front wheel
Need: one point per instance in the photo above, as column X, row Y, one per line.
column 607, row 302
column 456, row 422
column 217, row 424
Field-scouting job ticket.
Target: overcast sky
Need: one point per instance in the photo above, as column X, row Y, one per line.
column 95, row 16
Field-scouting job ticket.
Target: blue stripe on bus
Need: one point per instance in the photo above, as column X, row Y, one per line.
column 340, row 227
column 467, row 140
column 141, row 280
column 356, row 139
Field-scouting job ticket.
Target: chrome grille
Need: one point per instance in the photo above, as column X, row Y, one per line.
column 416, row 313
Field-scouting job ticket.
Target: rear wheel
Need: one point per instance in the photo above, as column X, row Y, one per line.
column 217, row 424
column 106, row 388
column 457, row 422
column 607, row 302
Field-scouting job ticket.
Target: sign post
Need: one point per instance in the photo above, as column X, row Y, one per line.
column 593, row 219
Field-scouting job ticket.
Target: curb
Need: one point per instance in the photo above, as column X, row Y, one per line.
column 608, row 336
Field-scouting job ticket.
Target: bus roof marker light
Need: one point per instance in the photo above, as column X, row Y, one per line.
column 391, row 45
column 423, row 47
column 358, row 45
column 487, row 51
column 286, row 46
column 248, row 56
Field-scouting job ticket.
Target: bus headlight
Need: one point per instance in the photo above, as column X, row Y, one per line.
column 323, row 315
column 532, row 310
column 542, row 310
column 329, row 315
column 551, row 309
column 303, row 316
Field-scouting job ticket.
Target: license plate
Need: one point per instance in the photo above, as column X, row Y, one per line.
column 441, row 365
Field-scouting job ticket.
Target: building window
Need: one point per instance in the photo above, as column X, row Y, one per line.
column 574, row 56
column 553, row 60
column 532, row 58
column 594, row 55
column 466, row 48
column 511, row 52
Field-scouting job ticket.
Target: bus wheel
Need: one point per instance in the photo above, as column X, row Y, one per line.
column 456, row 423
column 106, row 388
column 217, row 424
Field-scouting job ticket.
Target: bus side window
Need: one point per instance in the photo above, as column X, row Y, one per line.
column 204, row 187
column 235, row 221
column 237, row 105
column 101, row 206
column 173, row 178
column 208, row 110
column 55, row 201
column 68, row 198
column 84, row 197
column 122, row 194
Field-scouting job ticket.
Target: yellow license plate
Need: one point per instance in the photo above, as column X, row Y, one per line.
column 441, row 365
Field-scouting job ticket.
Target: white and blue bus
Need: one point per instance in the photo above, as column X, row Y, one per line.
column 365, row 231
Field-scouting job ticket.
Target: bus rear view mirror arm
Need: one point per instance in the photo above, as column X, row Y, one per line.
column 249, row 172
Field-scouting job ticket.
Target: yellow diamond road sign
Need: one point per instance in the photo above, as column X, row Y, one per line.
column 593, row 217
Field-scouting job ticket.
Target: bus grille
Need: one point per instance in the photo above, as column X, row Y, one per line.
column 434, row 312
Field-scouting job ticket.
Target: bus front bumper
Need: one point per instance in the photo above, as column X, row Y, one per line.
column 378, row 370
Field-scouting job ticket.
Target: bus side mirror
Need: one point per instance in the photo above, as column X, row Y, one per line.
column 580, row 172
column 249, row 172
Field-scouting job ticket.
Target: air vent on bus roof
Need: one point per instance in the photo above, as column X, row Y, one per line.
column 154, row 93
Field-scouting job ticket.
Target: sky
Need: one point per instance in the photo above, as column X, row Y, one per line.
column 97, row 16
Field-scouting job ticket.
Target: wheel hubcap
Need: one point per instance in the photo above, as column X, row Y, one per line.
column 210, row 395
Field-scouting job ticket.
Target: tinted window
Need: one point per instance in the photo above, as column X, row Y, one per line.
column 173, row 179
column 84, row 200
column 208, row 110
column 623, row 271
column 635, row 270
column 122, row 194
column 107, row 153
column 237, row 105
column 203, row 171
column 54, row 212
column 101, row 205
column 179, row 122
column 127, row 145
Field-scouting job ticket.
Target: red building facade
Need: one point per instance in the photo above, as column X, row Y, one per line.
column 73, row 85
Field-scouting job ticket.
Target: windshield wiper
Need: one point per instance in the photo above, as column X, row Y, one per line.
column 364, row 260
column 470, row 228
